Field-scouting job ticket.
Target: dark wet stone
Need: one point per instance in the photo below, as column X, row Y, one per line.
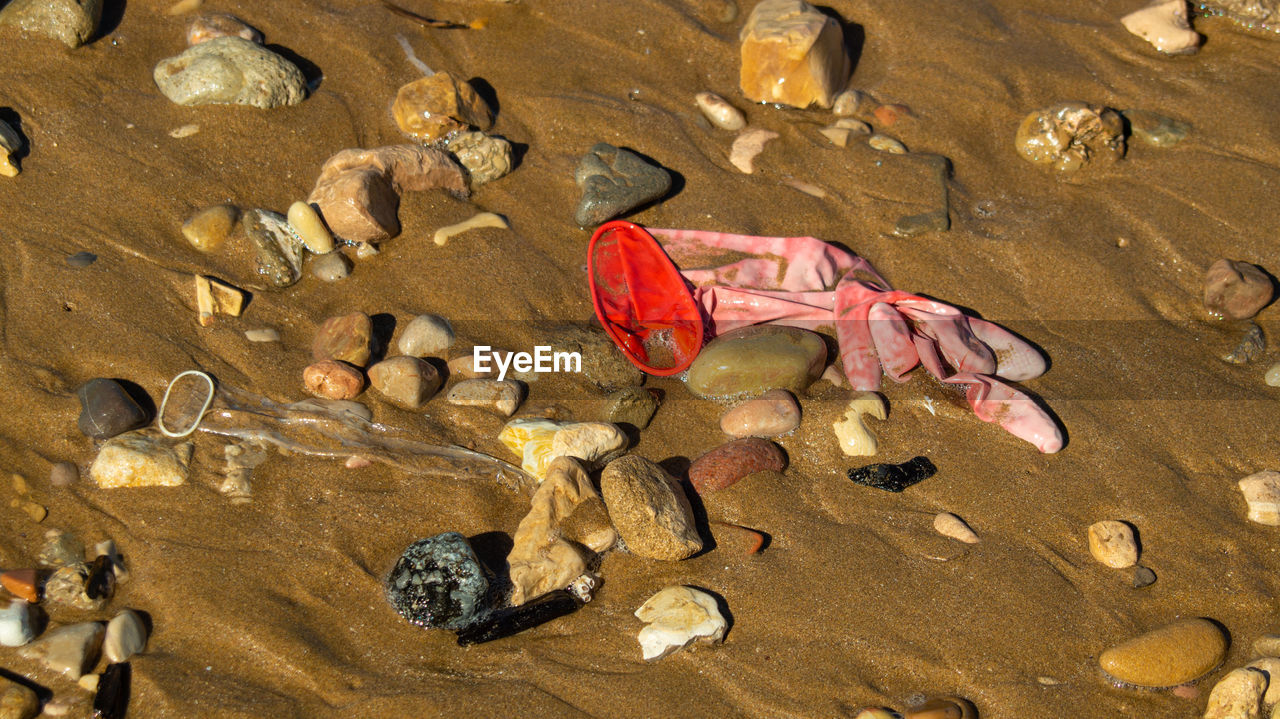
column 894, row 477
column 279, row 249
column 912, row 225
column 633, row 405
column 106, row 409
column 506, row 622
column 81, row 259
column 615, row 181
column 101, row 582
column 112, row 699
column 1143, row 577
column 438, row 582
column 1156, row 130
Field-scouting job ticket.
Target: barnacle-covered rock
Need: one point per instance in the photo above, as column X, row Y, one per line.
column 486, row 158
column 1070, row 135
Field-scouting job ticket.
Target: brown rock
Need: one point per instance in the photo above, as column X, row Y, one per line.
column 429, row 108
column 332, row 380
column 344, row 338
column 734, row 460
column 208, row 228
column 1174, row 654
column 945, row 708
column 649, row 509
column 358, row 191
column 541, row 560
column 64, row 474
column 1236, row 289
column 1112, row 542
column 406, row 382
column 589, row 525
column 22, row 583
column 792, row 54
column 17, row 701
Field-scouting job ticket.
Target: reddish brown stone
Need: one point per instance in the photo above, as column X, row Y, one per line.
column 22, row 583
column 890, row 114
column 1236, row 289
column 736, row 539
column 734, row 460
column 358, row 191
column 333, row 380
column 344, row 338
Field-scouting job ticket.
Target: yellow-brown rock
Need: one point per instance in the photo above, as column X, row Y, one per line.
column 431, row 107
column 792, row 54
column 1166, row 657
column 541, row 560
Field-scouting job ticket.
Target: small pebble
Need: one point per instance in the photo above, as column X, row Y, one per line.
column 178, row 133
column 485, row 157
column 857, row 127
column 331, row 267
column 720, row 112
column 1261, row 492
column 22, row 583
column 846, row 103
column 346, row 338
column 1112, row 542
column 81, row 260
column 1166, row 25
column 946, row 708
column 141, row 459
column 17, row 701
column 107, row 409
column 64, row 474
column 203, row 28
column 309, row 228
column 1272, row 377
column 851, row 430
column 649, row 509
column 407, row 382
column 126, row 635
column 889, row 115
column 209, row 228
column 463, row 365
column 15, row 624
column 88, row 682
column 230, row 70
column 615, row 181
column 746, row 146
column 838, row 136
column 736, row 539
column 884, row 143
column 1143, row 577
column 792, row 54
column 732, row 461
column 69, row 650
column 262, row 335
column 634, row 406
column 68, row 586
column 591, row 442
column 332, row 379
column 1171, row 655
column 1070, row 135
column 426, row 336
column 434, row 106
column 772, row 414
column 949, row 525
column 1236, row 289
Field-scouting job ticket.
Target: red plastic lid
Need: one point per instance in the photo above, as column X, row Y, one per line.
column 641, row 299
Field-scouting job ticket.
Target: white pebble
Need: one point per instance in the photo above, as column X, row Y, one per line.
column 949, row 525
column 1261, row 492
column 720, row 112
column 1272, row 377
column 184, row 131
column 856, row 438
column 426, row 336
column 126, row 636
column 1165, row 25
column 846, row 103
column 309, row 228
column 884, row 143
column 677, row 617
column 482, row 219
column 262, row 335
column 15, row 624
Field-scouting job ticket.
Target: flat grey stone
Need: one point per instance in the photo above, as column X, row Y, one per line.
column 614, row 182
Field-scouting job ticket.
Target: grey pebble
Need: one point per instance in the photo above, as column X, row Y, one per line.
column 615, row 181
column 81, row 259
column 1143, row 577
column 331, row 267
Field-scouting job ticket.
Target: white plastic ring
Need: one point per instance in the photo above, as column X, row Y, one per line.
column 164, row 402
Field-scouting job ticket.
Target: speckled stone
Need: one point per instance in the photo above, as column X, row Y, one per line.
column 73, row 22
column 438, row 583
column 1174, row 654
column 615, row 181
column 279, row 251
column 17, row 701
column 346, row 338
column 649, row 509
column 230, row 71
column 632, row 406
column 731, row 461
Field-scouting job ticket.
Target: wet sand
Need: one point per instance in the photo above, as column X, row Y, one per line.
column 276, row 608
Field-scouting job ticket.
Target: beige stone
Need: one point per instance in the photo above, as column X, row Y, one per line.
column 209, row 227
column 346, row 338
column 746, row 146
column 1164, row 24
column 406, row 382
column 1238, row 695
column 1271, row 667
column 591, row 442
column 1112, row 543
column 203, row 28
column 1267, row 645
column 949, row 525
column 70, row 650
column 771, row 414
column 500, row 396
column 142, row 458
column 719, row 112
column 855, row 437
column 1261, row 492
column 17, row 701
column 431, row 107
column 332, row 379
column 309, row 228
column 649, row 509
column 792, row 54
column 541, row 558
column 215, row 297
column 1170, row 655
column 677, row 617
column 358, row 191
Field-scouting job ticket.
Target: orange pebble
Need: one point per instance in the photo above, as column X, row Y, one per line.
column 889, row 114
column 21, row 583
column 333, row 380
column 737, row 539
